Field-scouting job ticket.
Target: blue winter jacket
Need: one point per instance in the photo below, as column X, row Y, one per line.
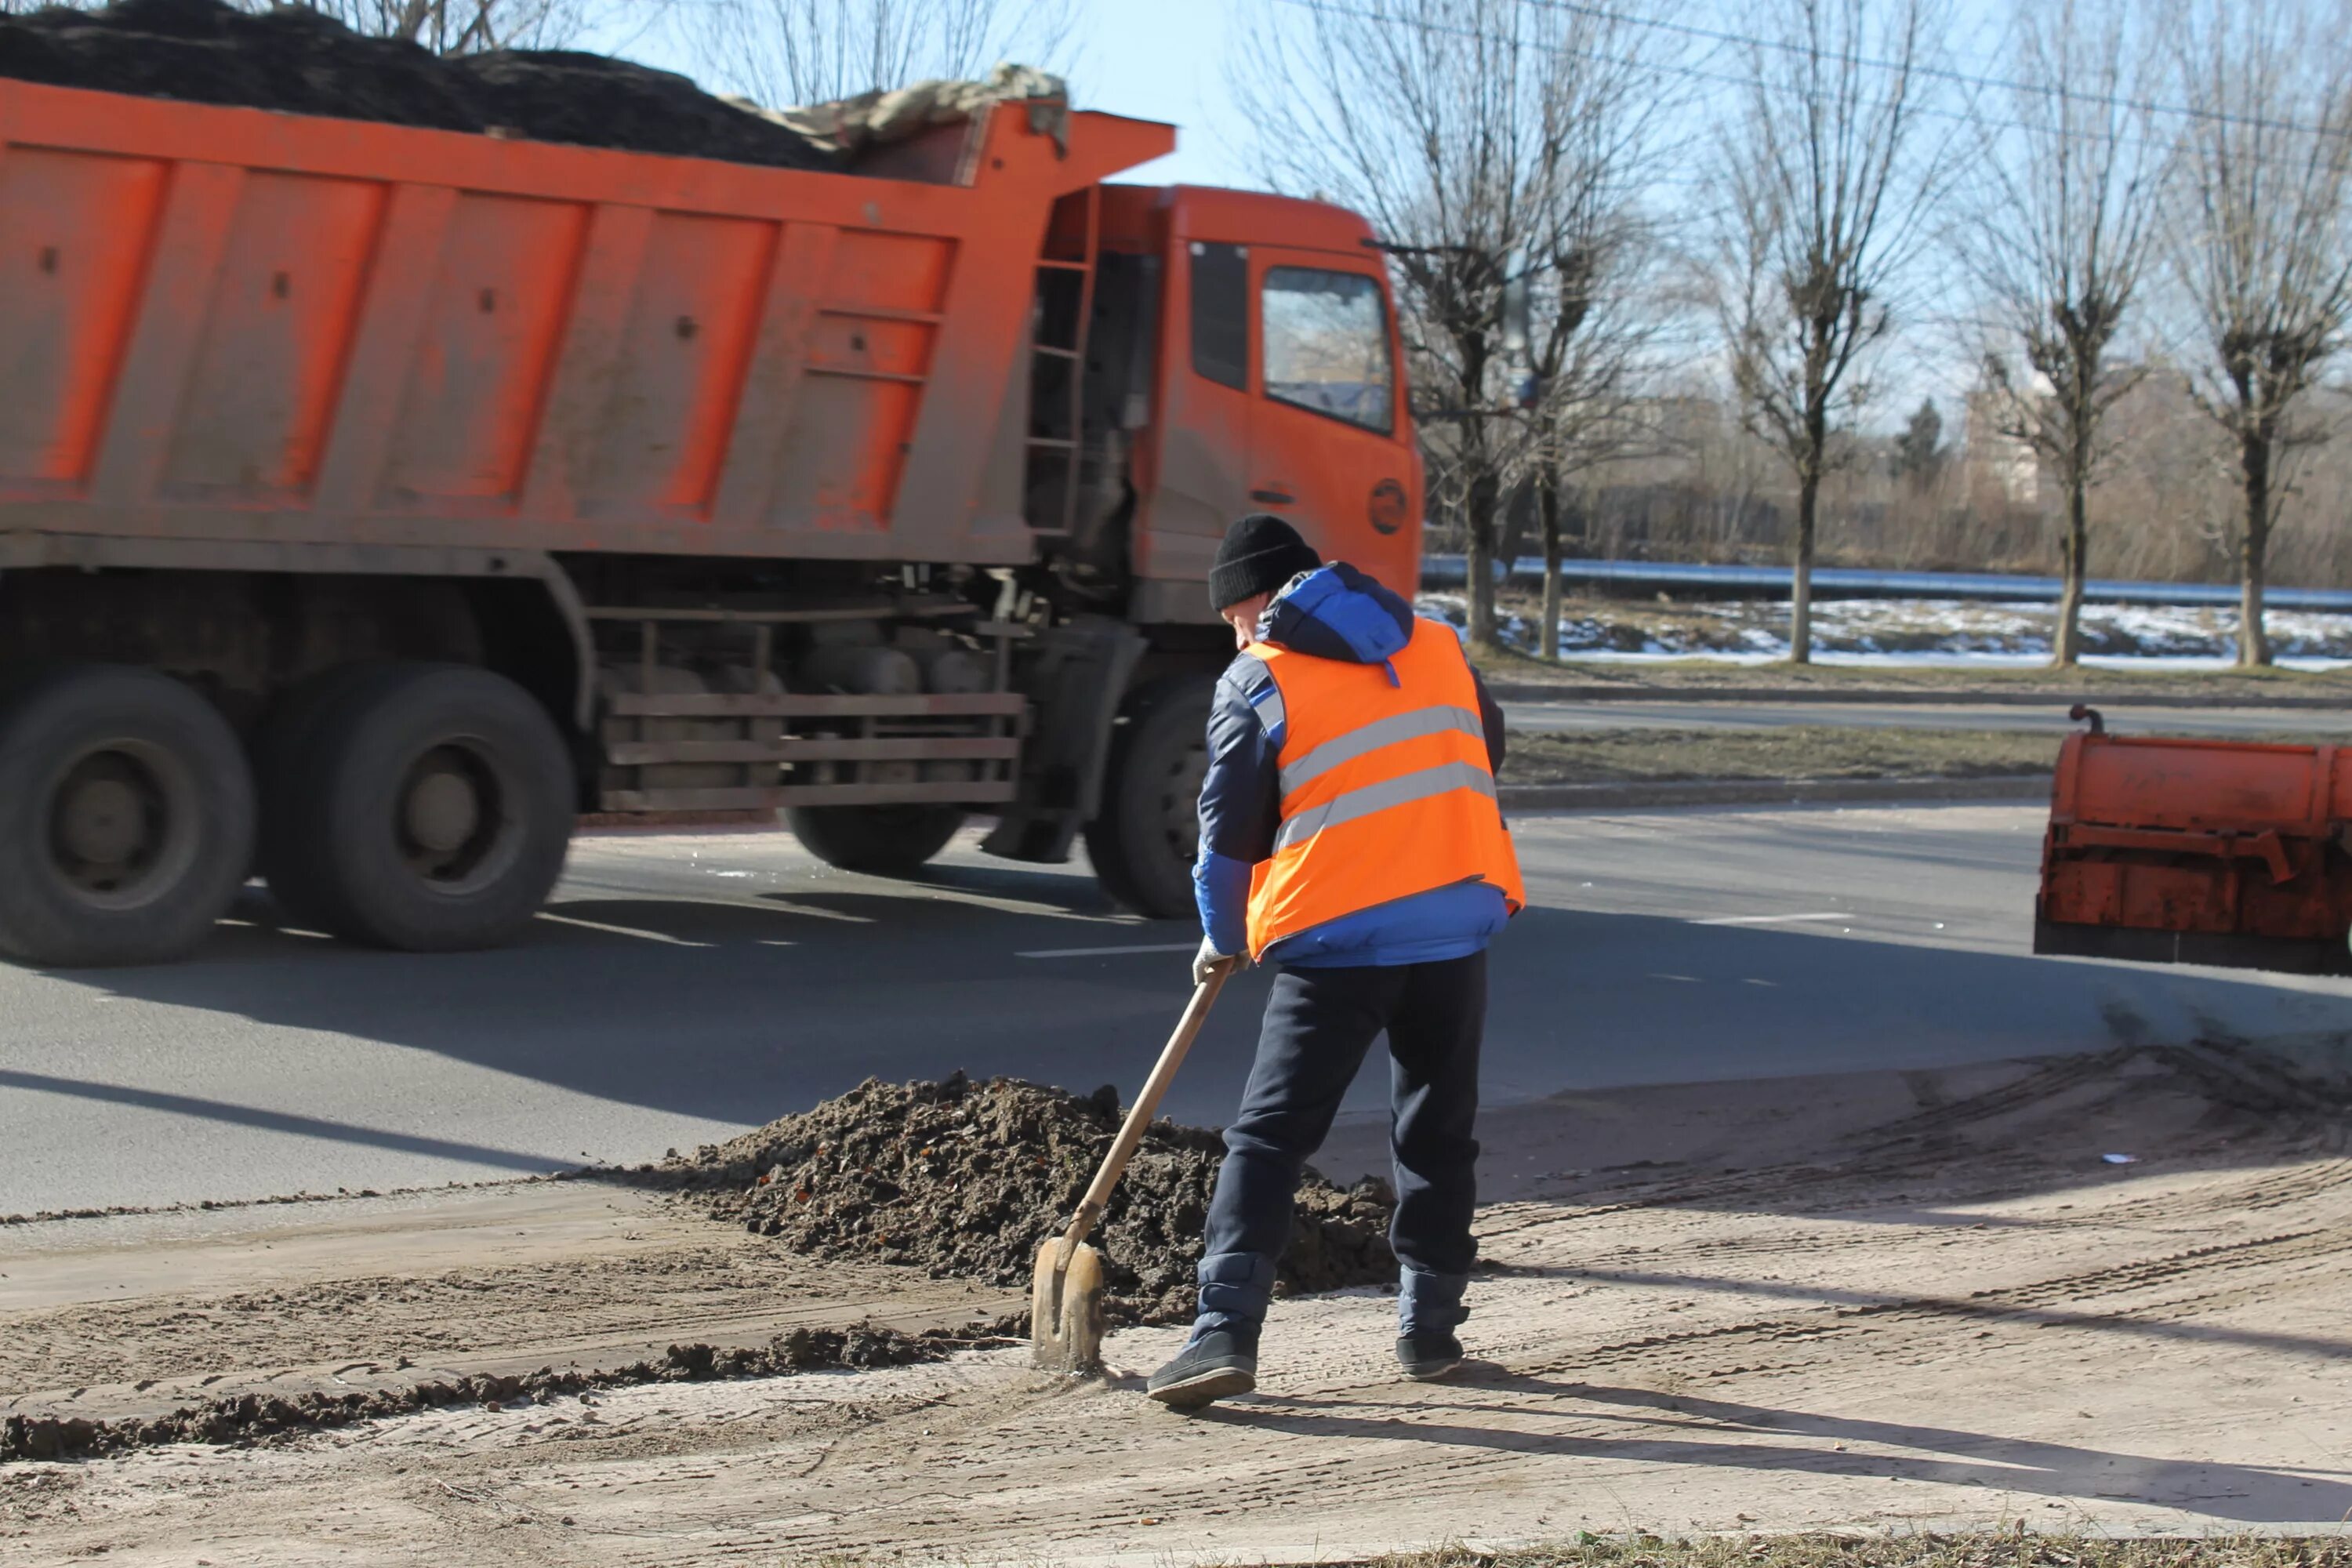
column 1334, row 612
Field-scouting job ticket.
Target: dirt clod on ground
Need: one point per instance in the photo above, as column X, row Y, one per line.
column 969, row 1179
column 297, row 61
column 250, row 1419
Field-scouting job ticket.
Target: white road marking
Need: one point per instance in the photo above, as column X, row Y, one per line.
column 1109, row 951
column 620, row 931
column 1772, row 920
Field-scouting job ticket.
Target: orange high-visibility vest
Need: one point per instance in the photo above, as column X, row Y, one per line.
column 1386, row 789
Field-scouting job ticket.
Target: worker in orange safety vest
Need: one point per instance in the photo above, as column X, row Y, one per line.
column 1351, row 838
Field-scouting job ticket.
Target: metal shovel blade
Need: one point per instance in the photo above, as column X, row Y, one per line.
column 1065, row 1318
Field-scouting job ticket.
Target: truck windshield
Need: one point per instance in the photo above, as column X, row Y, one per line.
column 1326, row 344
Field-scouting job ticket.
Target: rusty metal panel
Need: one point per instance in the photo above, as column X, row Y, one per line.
column 813, row 749
column 74, row 230
column 756, row 799
column 2159, row 782
column 959, row 705
column 2233, row 843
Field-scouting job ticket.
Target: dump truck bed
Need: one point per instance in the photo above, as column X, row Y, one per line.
column 246, row 329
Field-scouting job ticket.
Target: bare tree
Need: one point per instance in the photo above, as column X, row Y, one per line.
column 2258, row 239
column 816, row 51
column 462, row 27
column 1453, row 125
column 2058, row 241
column 1824, row 198
column 1596, row 311
column 1597, row 328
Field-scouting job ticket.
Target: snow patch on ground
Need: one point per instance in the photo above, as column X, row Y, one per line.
column 1916, row 632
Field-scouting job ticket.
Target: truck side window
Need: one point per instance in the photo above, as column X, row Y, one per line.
column 1221, row 314
column 1326, row 345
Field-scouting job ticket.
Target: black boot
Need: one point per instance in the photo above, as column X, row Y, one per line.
column 1216, row 1365
column 1429, row 1354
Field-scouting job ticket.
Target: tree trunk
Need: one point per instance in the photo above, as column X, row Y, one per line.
column 2068, row 647
column 2254, row 638
column 1478, row 515
column 1800, row 594
column 1548, row 504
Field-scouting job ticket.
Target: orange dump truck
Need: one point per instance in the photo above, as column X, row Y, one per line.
column 374, row 500
column 2191, row 851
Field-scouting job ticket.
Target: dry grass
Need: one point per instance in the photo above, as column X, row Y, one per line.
column 1793, row 752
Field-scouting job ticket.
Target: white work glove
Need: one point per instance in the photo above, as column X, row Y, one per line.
column 1209, row 962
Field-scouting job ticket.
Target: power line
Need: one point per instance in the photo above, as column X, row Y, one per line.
column 1928, row 69
column 1697, row 73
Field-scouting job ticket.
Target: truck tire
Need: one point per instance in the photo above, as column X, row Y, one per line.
column 419, row 806
column 126, row 817
column 285, row 752
column 882, row 840
column 1143, row 841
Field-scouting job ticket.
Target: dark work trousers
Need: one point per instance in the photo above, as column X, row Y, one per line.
column 1319, row 1024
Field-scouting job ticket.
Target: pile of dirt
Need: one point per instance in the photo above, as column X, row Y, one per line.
column 244, row 1419
column 297, row 61
column 969, row 1179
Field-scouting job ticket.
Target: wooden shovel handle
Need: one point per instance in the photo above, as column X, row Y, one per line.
column 1146, row 1105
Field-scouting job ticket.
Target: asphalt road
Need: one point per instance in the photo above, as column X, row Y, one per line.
column 682, row 988
column 2131, row 721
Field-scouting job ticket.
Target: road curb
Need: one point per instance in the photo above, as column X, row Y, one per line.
column 2032, row 787
column 1539, row 691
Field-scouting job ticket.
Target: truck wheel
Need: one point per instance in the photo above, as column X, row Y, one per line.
column 883, row 840
column 425, row 807
column 1143, row 842
column 286, row 754
column 126, row 817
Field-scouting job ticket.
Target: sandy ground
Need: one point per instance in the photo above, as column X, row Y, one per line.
column 1891, row 1300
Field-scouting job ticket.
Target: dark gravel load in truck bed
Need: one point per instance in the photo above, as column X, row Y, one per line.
column 301, row 62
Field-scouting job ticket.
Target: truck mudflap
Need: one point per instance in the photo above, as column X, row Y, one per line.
column 1076, row 674
column 2195, row 851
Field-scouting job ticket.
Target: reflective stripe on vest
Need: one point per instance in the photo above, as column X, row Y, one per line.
column 1386, row 791
column 1381, row 733
column 1379, row 796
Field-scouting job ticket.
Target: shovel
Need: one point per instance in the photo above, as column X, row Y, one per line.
column 1066, row 1324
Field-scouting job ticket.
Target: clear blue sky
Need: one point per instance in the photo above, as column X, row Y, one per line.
column 1167, row 61
column 1153, row 60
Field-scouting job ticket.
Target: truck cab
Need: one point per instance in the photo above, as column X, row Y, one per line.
column 1200, row 353
column 1243, row 355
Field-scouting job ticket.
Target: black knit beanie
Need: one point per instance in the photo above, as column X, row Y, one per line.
column 1261, row 552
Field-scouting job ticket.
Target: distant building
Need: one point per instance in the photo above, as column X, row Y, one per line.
column 2000, row 471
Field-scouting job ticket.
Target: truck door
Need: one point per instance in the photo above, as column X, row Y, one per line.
column 1199, row 479
column 1330, row 447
